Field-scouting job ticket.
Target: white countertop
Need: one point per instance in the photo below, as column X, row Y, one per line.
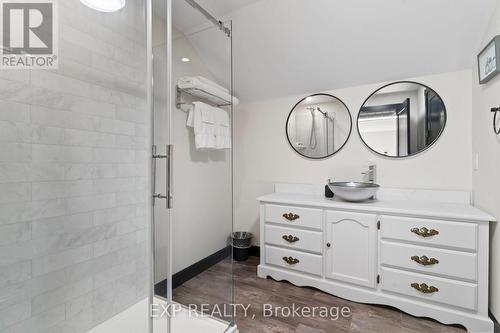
column 439, row 210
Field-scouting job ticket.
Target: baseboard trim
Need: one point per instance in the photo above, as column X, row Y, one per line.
column 495, row 321
column 255, row 251
column 190, row 272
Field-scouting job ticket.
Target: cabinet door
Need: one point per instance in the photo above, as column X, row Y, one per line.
column 351, row 252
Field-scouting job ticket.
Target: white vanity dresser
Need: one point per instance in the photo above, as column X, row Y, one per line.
column 424, row 252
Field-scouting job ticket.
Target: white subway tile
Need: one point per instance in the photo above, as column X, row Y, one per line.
column 40, row 322
column 114, row 214
column 15, row 172
column 15, row 314
column 74, row 167
column 115, row 126
column 51, row 98
column 15, row 273
column 62, row 154
column 88, row 139
column 14, row 91
column 114, row 273
column 105, row 155
column 16, row 252
column 71, row 51
column 60, row 260
column 46, row 134
column 90, row 203
column 72, row 86
column 16, row 112
column 63, row 189
column 15, row 192
column 114, row 185
column 20, row 212
column 12, row 75
column 88, row 74
column 15, row 152
column 14, row 233
column 47, row 171
column 132, row 197
column 87, row 41
column 61, row 295
column 63, row 119
column 56, row 226
column 15, row 132
column 78, row 306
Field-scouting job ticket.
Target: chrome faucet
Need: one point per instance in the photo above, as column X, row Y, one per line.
column 371, row 173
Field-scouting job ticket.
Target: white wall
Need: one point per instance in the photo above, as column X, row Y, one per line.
column 264, row 157
column 202, row 214
column 486, row 180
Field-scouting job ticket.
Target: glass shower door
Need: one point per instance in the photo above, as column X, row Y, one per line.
column 193, row 257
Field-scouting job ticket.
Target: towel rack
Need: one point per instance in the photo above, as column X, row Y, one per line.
column 198, row 93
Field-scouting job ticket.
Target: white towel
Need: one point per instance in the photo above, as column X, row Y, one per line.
column 223, row 129
column 203, row 120
column 213, row 88
column 212, row 127
column 198, row 80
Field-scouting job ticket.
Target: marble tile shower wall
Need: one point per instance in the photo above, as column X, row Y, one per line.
column 74, row 177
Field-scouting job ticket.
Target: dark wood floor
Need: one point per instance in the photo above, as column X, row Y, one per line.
column 212, row 287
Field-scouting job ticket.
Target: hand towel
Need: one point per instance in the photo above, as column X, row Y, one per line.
column 223, row 129
column 204, row 123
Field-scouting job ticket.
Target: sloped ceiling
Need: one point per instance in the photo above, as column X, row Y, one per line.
column 285, row 47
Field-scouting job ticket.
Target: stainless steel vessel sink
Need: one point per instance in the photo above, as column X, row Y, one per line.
column 354, row 191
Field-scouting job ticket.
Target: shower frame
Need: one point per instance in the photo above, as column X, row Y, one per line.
column 157, row 155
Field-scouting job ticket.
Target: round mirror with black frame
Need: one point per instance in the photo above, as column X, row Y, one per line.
column 318, row 126
column 402, row 119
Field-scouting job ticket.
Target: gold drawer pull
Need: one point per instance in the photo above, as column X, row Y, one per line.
column 424, row 232
column 291, row 239
column 425, row 261
column 291, row 216
column 424, row 289
column 291, row 261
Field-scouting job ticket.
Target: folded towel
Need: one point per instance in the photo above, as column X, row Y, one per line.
column 212, row 88
column 190, row 112
column 198, row 80
column 211, row 127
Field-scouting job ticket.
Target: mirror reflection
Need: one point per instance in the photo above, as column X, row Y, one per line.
column 402, row 119
column 319, row 126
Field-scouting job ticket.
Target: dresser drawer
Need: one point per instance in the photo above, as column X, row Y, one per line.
column 456, row 293
column 294, row 238
column 295, row 216
column 300, row 261
column 430, row 232
column 452, row 264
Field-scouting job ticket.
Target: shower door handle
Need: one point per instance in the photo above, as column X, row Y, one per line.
column 169, row 175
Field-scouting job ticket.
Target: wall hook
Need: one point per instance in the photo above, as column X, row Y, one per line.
column 496, row 110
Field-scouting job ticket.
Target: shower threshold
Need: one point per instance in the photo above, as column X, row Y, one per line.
column 135, row 320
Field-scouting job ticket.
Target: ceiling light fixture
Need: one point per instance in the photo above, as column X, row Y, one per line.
column 185, row 60
column 107, row 6
column 308, row 99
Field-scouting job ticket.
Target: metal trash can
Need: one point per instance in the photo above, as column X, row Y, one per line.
column 242, row 243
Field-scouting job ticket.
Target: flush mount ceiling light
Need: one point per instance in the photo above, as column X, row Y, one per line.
column 107, row 6
column 185, row 60
column 308, row 99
